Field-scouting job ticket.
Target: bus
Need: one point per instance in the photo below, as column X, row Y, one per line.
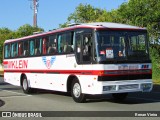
column 83, row 59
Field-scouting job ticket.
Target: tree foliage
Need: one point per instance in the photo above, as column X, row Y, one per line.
column 85, row 13
column 26, row 30
column 6, row 34
column 143, row 13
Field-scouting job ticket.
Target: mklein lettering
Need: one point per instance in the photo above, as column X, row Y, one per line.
column 19, row 64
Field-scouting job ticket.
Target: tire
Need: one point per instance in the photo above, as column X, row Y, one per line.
column 76, row 92
column 25, row 86
column 119, row 97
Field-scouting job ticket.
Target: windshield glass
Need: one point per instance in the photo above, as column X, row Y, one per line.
column 120, row 45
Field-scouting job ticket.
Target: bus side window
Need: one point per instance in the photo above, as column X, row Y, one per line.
column 38, row 45
column 60, row 44
column 26, row 48
column 32, row 47
column 7, row 51
column 44, row 46
column 14, row 50
column 68, row 45
column 20, row 49
column 52, row 45
column 65, row 43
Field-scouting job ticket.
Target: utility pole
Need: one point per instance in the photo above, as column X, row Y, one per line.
column 34, row 6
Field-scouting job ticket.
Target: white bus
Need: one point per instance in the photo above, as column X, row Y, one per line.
column 92, row 58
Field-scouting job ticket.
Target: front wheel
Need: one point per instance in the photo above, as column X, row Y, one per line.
column 76, row 92
column 25, row 86
column 119, row 96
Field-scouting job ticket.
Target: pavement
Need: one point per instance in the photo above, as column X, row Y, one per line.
column 1, row 103
column 156, row 88
column 58, row 103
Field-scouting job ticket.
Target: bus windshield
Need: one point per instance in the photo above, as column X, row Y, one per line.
column 122, row 46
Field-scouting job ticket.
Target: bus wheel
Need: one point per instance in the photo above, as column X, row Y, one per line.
column 25, row 87
column 119, row 96
column 76, row 92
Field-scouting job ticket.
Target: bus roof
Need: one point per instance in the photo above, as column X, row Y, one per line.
column 95, row 25
column 114, row 25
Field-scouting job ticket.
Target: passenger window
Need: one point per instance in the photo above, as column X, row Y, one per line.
column 32, row 47
column 26, row 48
column 45, row 45
column 65, row 43
column 20, row 49
column 7, row 51
column 14, row 50
column 52, row 45
column 38, row 46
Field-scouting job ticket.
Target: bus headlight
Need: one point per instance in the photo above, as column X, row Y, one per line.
column 109, row 88
column 146, row 86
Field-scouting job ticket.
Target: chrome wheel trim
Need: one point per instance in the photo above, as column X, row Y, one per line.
column 25, row 86
column 76, row 90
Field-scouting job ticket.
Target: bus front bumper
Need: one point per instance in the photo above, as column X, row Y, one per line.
column 120, row 86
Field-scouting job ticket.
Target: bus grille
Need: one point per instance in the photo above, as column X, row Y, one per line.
column 128, row 87
column 125, row 77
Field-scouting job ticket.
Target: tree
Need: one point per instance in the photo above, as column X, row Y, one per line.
column 63, row 25
column 6, row 34
column 84, row 14
column 26, row 30
column 144, row 13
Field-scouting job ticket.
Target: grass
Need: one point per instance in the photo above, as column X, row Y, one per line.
column 156, row 82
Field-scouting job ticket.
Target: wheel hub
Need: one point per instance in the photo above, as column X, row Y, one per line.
column 25, row 84
column 76, row 90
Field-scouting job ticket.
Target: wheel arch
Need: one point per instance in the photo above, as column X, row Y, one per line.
column 21, row 78
column 69, row 82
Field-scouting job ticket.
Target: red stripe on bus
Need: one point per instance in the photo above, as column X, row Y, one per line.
column 87, row 72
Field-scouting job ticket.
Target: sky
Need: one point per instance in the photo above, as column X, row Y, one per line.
column 51, row 13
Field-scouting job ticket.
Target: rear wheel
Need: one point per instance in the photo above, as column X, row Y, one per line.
column 119, row 96
column 25, row 86
column 76, row 92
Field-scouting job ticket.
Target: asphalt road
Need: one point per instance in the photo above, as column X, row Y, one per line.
column 15, row 100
